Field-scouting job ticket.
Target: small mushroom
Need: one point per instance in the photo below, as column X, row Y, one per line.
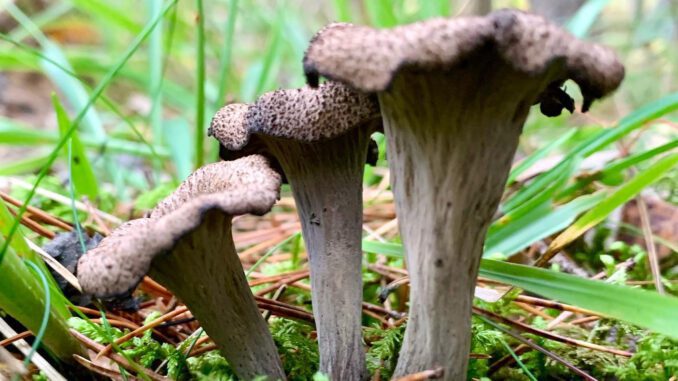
column 319, row 138
column 186, row 244
column 454, row 95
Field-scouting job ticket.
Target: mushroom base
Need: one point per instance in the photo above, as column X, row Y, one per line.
column 451, row 140
column 326, row 179
column 212, row 283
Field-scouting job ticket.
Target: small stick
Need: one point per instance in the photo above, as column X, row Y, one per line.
column 100, row 222
column 278, row 293
column 96, row 347
column 285, row 311
column 274, row 278
column 375, row 308
column 117, row 323
column 549, row 335
column 585, row 320
column 262, row 246
column 553, row 305
column 382, row 320
column 62, row 199
column 38, row 213
column 14, row 338
column 649, row 244
column 141, row 330
column 203, row 349
column 431, row 374
column 110, row 373
column 534, row 311
column 275, row 286
column 34, row 226
column 536, row 347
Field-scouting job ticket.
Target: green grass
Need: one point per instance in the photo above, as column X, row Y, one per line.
column 145, row 88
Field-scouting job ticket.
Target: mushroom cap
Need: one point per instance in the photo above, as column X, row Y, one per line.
column 117, row 265
column 368, row 59
column 305, row 115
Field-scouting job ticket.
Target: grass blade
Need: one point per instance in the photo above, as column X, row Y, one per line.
column 644, row 308
column 529, row 161
column 619, row 197
column 226, row 52
column 83, row 177
column 200, row 89
column 95, row 95
column 536, row 225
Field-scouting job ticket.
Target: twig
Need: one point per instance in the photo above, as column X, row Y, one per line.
column 425, row 375
column 549, row 335
column 14, row 338
column 110, row 373
column 275, row 278
column 100, row 222
column 553, row 305
column 278, row 293
column 96, row 347
column 375, row 308
column 62, row 199
column 141, row 330
column 536, row 347
column 584, row 320
column 24, row 348
column 34, row 226
column 38, row 213
column 649, row 243
column 285, row 281
column 203, row 349
column 284, row 310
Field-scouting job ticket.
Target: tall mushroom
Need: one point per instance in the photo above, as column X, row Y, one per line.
column 454, row 95
column 186, row 244
column 319, row 138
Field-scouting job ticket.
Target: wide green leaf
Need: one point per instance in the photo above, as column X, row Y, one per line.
column 539, row 223
column 82, row 174
column 644, row 308
column 23, row 297
column 619, row 197
column 13, row 133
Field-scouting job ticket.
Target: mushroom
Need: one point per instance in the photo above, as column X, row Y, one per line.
column 319, row 138
column 454, row 95
column 186, row 244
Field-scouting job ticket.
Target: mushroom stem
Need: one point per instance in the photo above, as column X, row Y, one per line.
column 450, row 148
column 186, row 243
column 219, row 296
column 326, row 179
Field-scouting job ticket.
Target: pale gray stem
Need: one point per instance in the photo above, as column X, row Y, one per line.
column 451, row 139
column 326, row 179
column 210, row 279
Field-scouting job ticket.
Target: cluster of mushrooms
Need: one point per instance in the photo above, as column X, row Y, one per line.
column 451, row 96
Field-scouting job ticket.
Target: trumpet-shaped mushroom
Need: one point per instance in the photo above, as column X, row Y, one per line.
column 320, row 139
column 186, row 244
column 454, row 95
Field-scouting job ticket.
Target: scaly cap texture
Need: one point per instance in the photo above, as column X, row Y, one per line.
column 121, row 260
column 368, row 59
column 306, row 114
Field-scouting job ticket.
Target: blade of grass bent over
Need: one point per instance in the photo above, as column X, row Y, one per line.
column 95, row 94
column 619, row 197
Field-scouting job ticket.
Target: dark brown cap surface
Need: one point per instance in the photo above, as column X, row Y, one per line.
column 118, row 264
column 368, row 58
